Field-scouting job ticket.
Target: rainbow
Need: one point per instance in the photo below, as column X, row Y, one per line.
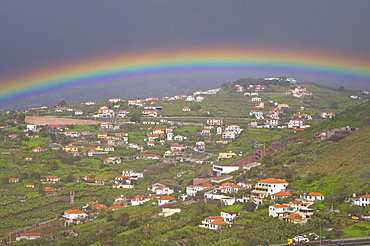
column 210, row 60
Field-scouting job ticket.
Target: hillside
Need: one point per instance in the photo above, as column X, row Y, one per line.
column 336, row 166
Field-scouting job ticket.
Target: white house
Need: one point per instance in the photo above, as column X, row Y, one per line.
column 313, row 196
column 28, row 236
column 296, row 123
column 278, row 210
column 269, row 186
column 72, row 134
column 220, row 170
column 256, row 113
column 364, row 200
column 165, row 199
column 74, row 214
column 327, row 114
column 280, row 194
column 213, row 222
column 31, row 127
column 163, row 191
column 229, row 216
column 114, row 100
column 228, row 135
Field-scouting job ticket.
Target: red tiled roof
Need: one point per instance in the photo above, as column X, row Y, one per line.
column 365, row 196
column 272, row 181
column 117, row 207
column 31, row 234
column 314, row 194
column 74, row 211
column 294, row 217
column 165, row 198
column 280, row 206
column 281, row 193
column 218, row 222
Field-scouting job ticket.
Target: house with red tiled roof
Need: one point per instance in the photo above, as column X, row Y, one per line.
column 313, row 196
column 109, row 148
column 163, row 190
column 269, row 186
column 49, row 189
column 280, row 194
column 37, row 149
column 116, row 207
column 364, row 200
column 214, row 222
column 280, row 211
column 229, row 216
column 297, row 218
column 191, row 190
column 13, row 180
column 165, row 199
column 28, row 236
column 73, row 214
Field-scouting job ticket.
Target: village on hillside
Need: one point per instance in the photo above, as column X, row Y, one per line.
column 119, row 146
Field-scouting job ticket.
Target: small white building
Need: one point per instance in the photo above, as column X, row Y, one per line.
column 74, row 214
column 313, row 196
column 165, row 199
column 278, row 210
column 220, row 170
column 28, row 236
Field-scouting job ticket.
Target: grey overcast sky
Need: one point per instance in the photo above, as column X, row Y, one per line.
column 37, row 33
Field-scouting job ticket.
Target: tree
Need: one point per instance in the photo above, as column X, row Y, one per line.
column 62, row 103
column 123, row 218
column 135, row 117
column 341, row 88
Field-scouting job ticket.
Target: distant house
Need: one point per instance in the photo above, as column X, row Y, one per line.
column 74, row 214
column 28, row 236
column 70, row 148
column 327, row 114
column 313, row 196
column 220, row 170
column 186, row 109
column 114, row 100
column 214, row 222
column 280, row 194
column 149, row 113
column 365, row 200
column 52, row 179
column 149, row 156
column 79, row 112
column 256, row 113
column 213, row 122
column 165, row 199
column 14, row 180
column 269, row 186
column 37, row 149
column 280, row 211
column 71, row 133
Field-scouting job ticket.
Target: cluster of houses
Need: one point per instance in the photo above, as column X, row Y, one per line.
column 161, row 195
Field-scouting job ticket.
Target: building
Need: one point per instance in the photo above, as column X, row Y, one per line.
column 269, row 186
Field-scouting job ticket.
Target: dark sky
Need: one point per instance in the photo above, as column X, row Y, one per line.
column 40, row 32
